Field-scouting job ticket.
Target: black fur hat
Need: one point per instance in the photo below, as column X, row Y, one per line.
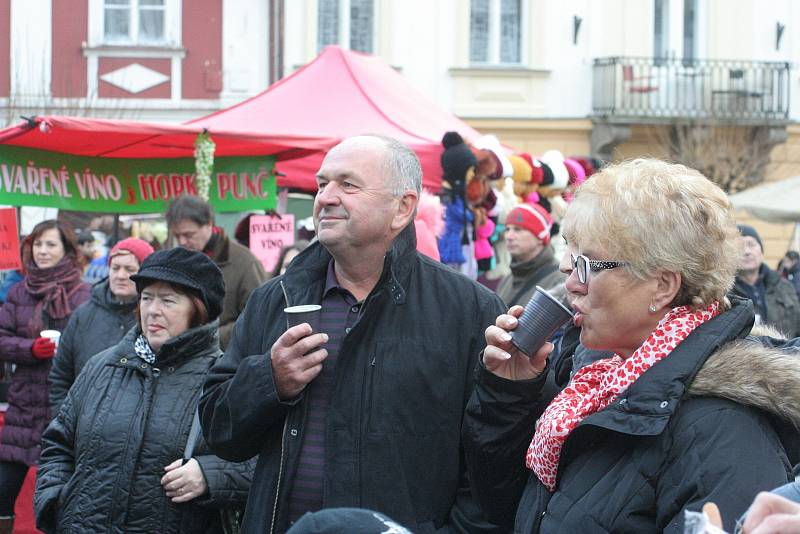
column 456, row 159
column 193, row 270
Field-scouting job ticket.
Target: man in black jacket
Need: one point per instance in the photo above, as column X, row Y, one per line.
column 367, row 412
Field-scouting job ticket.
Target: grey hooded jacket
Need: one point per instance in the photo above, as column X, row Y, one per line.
column 95, row 326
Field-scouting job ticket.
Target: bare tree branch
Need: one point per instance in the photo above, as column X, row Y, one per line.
column 731, row 156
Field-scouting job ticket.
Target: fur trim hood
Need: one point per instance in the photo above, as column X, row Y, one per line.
column 762, row 372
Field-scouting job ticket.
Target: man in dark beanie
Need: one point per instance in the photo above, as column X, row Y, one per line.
column 364, row 410
column 191, row 223
column 774, row 298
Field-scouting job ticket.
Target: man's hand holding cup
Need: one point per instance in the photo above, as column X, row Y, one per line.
column 297, row 355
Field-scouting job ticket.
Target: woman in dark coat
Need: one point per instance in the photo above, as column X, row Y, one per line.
column 123, row 455
column 101, row 322
column 683, row 410
column 43, row 300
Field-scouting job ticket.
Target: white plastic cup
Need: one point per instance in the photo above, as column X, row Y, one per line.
column 53, row 335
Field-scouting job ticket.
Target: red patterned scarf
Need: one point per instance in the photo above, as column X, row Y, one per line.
column 52, row 288
column 597, row 385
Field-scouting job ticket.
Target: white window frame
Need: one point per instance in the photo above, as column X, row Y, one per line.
column 674, row 43
column 495, row 17
column 343, row 38
column 172, row 25
column 662, row 40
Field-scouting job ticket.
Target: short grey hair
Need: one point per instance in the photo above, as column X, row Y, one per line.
column 401, row 167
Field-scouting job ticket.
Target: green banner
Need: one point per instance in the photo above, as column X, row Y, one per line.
column 31, row 177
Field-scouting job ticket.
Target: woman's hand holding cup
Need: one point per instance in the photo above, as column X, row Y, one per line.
column 503, row 359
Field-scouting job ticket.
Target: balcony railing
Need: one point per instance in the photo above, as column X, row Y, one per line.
column 652, row 88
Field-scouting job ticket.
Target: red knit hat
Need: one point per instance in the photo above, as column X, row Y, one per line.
column 533, row 218
column 138, row 247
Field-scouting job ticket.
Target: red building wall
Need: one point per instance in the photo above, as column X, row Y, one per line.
column 202, row 39
column 70, row 30
column 5, row 47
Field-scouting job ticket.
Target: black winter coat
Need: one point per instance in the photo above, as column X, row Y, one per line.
column 95, row 326
column 704, row 424
column 403, row 375
column 122, row 422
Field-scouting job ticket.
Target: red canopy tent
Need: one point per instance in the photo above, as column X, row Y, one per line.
column 340, row 94
column 135, row 167
column 133, row 139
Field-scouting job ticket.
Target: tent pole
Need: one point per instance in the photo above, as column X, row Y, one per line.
column 115, row 231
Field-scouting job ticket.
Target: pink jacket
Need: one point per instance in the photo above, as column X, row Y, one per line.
column 483, row 249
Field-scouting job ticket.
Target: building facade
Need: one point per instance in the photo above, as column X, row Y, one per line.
column 612, row 78
column 157, row 60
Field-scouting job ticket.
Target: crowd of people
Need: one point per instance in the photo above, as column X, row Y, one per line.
column 175, row 398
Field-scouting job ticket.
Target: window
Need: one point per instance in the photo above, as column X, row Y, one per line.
column 661, row 30
column 677, row 31
column 689, row 31
column 348, row 23
column 134, row 21
column 495, row 31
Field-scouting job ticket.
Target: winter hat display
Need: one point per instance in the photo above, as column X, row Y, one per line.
column 523, row 177
column 456, row 160
column 576, row 172
column 588, row 165
column 537, row 173
column 555, row 160
column 523, row 171
column 547, row 175
column 491, row 144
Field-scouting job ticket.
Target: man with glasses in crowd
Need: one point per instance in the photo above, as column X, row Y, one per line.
column 191, row 222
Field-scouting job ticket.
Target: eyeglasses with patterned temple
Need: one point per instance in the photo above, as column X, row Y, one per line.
column 583, row 265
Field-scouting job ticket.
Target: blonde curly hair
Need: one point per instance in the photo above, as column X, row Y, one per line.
column 655, row 216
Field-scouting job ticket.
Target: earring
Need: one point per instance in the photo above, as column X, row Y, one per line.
column 652, row 308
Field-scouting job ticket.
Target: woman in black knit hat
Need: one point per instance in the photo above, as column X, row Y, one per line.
column 123, row 453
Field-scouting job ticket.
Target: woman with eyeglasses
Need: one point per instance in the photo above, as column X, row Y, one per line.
column 683, row 410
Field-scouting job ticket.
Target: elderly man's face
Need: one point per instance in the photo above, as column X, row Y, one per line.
column 354, row 207
column 752, row 255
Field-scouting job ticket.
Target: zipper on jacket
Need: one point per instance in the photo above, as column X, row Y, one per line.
column 366, row 390
column 149, row 399
column 280, row 475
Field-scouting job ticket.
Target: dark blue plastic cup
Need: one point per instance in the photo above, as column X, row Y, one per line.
column 307, row 313
column 543, row 315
